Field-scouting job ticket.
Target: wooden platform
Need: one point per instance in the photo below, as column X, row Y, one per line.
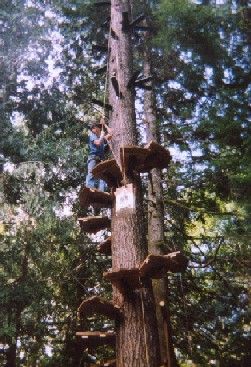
column 110, row 363
column 144, row 159
column 156, row 266
column 90, row 196
column 93, row 339
column 98, row 305
column 124, row 278
column 105, row 247
column 108, row 171
column 94, row 224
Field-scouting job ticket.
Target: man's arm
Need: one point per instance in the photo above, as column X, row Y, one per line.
column 108, row 136
column 100, row 141
column 103, row 137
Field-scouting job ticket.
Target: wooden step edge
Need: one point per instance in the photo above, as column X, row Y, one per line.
column 101, row 306
column 156, row 266
column 90, row 334
column 105, row 247
column 93, row 224
column 91, row 196
column 124, row 278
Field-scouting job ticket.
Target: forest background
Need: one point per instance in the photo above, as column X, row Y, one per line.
column 51, row 69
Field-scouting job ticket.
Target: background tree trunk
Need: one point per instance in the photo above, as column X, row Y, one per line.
column 156, row 220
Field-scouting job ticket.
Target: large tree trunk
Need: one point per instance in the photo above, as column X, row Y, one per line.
column 137, row 339
column 156, row 221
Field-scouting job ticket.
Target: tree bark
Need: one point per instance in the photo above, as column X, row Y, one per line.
column 137, row 340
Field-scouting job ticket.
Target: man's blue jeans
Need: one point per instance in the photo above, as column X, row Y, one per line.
column 91, row 182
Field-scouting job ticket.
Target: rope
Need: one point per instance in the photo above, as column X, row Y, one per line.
column 107, row 72
column 123, row 149
column 104, row 125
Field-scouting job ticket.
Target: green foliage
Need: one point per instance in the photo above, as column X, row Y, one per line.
column 194, row 28
column 208, row 194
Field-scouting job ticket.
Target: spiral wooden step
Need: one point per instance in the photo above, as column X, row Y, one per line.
column 93, row 339
column 101, row 306
column 140, row 159
column 156, row 266
column 110, row 363
column 108, row 171
column 105, row 247
column 124, row 278
column 94, row 224
column 89, row 196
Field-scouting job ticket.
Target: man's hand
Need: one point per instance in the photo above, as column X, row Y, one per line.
column 108, row 137
column 102, row 121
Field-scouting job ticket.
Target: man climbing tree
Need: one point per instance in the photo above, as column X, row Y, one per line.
column 97, row 145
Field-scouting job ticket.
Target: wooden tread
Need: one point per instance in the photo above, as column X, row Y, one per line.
column 110, row 363
column 105, row 247
column 96, row 304
column 93, row 339
column 108, row 171
column 139, row 159
column 94, row 224
column 90, row 196
column 155, row 266
column 124, row 278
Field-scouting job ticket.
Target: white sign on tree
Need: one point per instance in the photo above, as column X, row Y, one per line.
column 125, row 198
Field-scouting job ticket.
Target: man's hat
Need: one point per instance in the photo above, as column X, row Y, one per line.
column 95, row 124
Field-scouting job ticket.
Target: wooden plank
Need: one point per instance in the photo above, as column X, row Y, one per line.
column 156, row 266
column 124, row 278
column 110, row 363
column 140, row 159
column 105, row 247
column 94, row 224
column 132, row 157
column 159, row 157
column 94, row 334
column 89, row 196
column 108, row 171
column 93, row 339
column 101, row 306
